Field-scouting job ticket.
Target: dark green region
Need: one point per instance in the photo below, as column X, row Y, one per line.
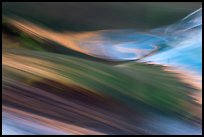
column 83, row 16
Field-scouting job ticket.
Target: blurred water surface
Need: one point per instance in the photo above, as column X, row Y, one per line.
column 102, row 68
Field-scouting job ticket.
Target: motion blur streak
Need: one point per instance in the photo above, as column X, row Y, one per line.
column 102, row 82
column 106, row 44
column 36, row 123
